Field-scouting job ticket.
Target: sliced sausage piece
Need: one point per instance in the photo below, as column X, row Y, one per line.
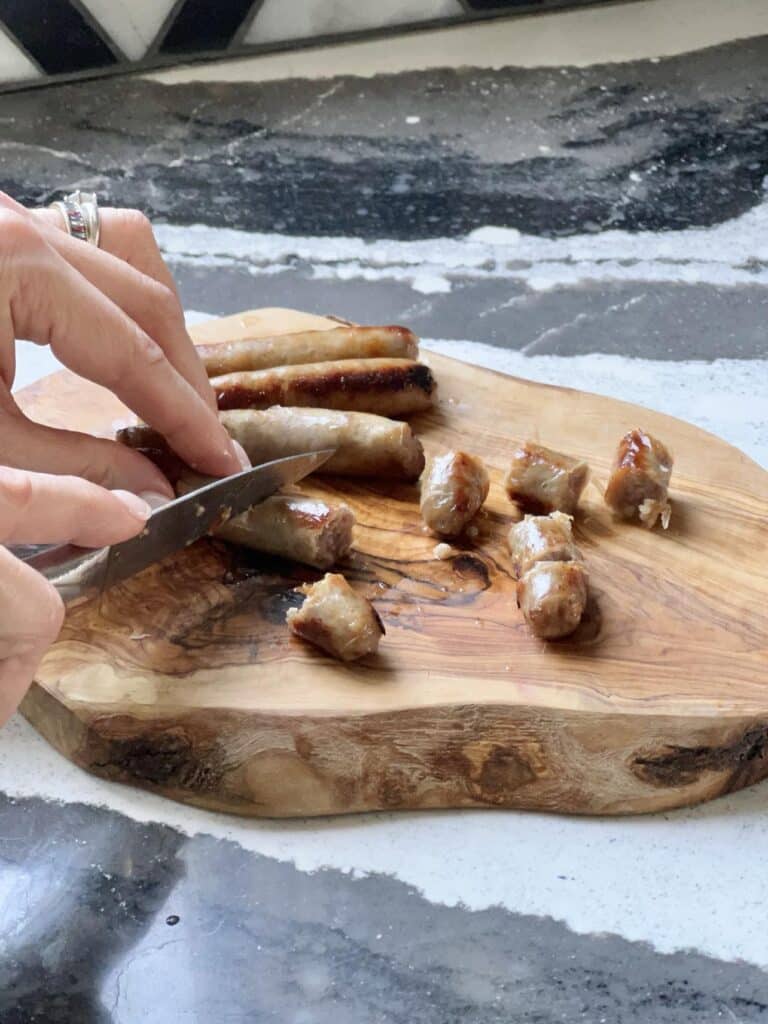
column 452, row 491
column 552, row 596
column 541, row 480
column 309, row 347
column 542, row 539
column 640, row 479
column 552, row 579
column 302, row 529
column 366, row 445
column 337, row 619
column 296, row 527
column 389, row 387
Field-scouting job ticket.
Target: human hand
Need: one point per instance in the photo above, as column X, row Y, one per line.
column 45, row 509
column 114, row 317
column 110, row 314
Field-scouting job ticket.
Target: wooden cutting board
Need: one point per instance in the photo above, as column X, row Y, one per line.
column 186, row 681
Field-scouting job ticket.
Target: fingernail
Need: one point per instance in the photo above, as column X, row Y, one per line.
column 242, row 458
column 155, row 499
column 135, row 504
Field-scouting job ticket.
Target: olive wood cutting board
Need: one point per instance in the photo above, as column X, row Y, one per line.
column 186, row 681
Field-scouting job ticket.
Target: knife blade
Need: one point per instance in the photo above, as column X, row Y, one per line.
column 81, row 573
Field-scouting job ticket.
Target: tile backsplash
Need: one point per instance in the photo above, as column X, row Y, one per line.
column 42, row 39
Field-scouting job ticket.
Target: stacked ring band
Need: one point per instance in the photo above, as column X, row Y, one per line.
column 80, row 211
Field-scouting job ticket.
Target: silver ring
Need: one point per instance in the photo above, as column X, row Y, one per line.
column 80, row 211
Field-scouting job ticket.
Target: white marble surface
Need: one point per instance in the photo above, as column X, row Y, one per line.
column 687, row 880
column 277, row 20
column 734, row 252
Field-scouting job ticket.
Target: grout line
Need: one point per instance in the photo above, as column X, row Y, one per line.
column 92, row 21
column 237, row 39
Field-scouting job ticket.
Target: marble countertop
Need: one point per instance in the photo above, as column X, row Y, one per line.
column 603, row 227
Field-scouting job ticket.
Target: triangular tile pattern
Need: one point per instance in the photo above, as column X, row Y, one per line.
column 132, row 24
column 194, row 29
column 15, row 66
column 279, row 20
column 50, row 38
column 58, row 36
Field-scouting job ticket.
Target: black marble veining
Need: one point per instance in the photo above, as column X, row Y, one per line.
column 111, row 921
column 557, row 152
column 549, row 151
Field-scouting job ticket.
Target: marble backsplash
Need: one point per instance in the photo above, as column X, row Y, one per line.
column 43, row 39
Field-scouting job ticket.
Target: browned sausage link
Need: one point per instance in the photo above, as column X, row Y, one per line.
column 552, row 597
column 366, row 445
column 302, row 529
column 452, row 491
column 640, row 479
column 552, row 580
column 542, row 539
column 389, row 387
column 309, row 347
column 338, row 620
column 541, row 480
column 154, row 447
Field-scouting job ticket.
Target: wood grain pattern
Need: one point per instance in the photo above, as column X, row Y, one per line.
column 186, row 681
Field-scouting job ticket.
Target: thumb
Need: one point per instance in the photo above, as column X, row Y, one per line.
column 31, row 613
column 38, row 508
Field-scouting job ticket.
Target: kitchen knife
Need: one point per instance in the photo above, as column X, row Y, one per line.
column 82, row 573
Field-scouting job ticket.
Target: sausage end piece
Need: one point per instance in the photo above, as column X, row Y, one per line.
column 452, row 492
column 638, row 485
column 541, row 480
column 337, row 619
column 552, row 597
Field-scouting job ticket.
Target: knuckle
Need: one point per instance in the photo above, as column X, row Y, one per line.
column 15, row 489
column 168, row 304
column 134, row 223
column 94, row 461
column 147, row 350
column 18, row 234
column 131, row 358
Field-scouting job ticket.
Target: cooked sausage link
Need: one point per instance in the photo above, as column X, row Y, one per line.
column 453, row 489
column 640, row 480
column 389, row 387
column 299, row 528
column 309, row 347
column 290, row 526
column 541, row 480
column 366, row 445
column 542, row 539
column 552, row 579
column 552, row 596
column 337, row 619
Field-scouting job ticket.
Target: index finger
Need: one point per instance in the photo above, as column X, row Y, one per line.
column 51, row 302
column 128, row 267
